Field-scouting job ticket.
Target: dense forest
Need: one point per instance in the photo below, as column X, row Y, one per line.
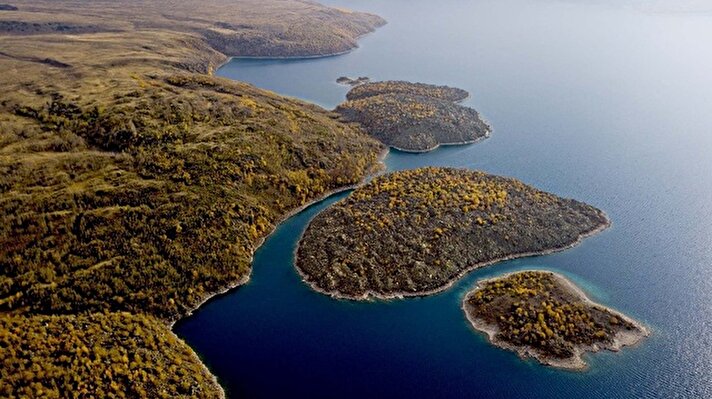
column 134, row 185
column 117, row 355
column 413, row 232
column 541, row 311
column 414, row 117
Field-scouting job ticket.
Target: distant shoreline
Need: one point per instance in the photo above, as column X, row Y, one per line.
column 294, row 57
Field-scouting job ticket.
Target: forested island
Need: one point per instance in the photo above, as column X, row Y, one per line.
column 413, row 117
column 415, row 232
column 543, row 315
column 135, row 185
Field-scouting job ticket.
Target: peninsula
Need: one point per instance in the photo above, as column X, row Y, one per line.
column 543, row 315
column 415, row 232
column 413, row 117
column 135, row 185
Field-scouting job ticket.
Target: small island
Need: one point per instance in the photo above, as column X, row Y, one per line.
column 415, row 232
column 543, row 315
column 347, row 81
column 413, row 117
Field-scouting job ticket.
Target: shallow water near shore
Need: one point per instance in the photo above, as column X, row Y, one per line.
column 609, row 105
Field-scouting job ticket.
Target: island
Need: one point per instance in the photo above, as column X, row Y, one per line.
column 415, row 232
column 543, row 315
column 414, row 117
column 347, row 81
column 135, row 184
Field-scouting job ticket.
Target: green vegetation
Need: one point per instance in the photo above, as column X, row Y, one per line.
column 133, row 181
column 541, row 314
column 116, row 355
column 413, row 116
column 174, row 193
column 414, row 232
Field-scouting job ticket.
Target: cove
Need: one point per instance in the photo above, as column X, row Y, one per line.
column 602, row 103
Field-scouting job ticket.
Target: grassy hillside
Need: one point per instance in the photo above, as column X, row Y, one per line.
column 133, row 181
column 150, row 204
column 273, row 28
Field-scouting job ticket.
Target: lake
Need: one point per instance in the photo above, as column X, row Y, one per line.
column 606, row 102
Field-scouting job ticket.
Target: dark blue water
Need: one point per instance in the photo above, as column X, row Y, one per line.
column 609, row 105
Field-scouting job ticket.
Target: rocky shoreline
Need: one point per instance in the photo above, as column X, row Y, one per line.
column 297, row 56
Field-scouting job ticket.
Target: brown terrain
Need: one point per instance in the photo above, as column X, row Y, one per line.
column 134, row 185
